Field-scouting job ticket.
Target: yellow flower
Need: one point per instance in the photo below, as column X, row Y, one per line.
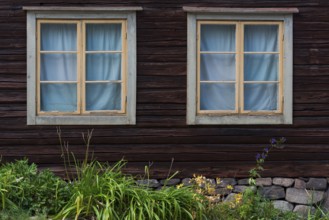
column 180, row 185
column 232, row 205
column 238, row 198
column 199, row 180
column 218, row 180
column 230, row 187
column 211, row 190
column 213, row 199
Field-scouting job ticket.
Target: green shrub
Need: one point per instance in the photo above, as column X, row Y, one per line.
column 23, row 187
column 14, row 214
column 248, row 206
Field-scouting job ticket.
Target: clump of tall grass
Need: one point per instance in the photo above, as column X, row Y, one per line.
column 101, row 191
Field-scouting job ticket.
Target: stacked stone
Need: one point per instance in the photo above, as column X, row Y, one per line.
column 300, row 195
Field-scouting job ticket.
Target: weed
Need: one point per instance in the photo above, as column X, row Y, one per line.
column 101, row 191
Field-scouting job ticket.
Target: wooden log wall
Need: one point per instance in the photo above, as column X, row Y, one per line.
column 161, row 132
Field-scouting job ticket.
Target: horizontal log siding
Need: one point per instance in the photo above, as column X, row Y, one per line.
column 161, row 132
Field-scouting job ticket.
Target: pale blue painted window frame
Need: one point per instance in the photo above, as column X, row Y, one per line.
column 239, row 14
column 128, row 13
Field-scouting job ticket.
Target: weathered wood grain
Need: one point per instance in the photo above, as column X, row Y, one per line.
column 161, row 132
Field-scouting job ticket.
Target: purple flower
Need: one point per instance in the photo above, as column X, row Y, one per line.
column 257, row 156
column 273, row 141
column 263, row 156
column 280, row 143
column 266, row 150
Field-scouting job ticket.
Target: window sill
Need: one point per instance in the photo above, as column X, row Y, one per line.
column 82, row 120
column 240, row 120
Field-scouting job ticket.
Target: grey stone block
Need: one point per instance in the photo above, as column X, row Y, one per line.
column 325, row 204
column 152, row 183
column 286, row 182
column 304, row 197
column 239, row 189
column 264, row 181
column 223, row 191
column 170, row 182
column 227, row 181
column 186, row 181
column 230, row 197
column 272, row 192
column 303, row 210
column 300, row 184
column 317, row 184
column 282, row 205
column 243, row 182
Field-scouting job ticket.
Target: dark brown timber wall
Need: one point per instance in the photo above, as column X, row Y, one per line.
column 161, row 132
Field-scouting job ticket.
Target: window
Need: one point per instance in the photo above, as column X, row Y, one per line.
column 81, row 66
column 239, row 67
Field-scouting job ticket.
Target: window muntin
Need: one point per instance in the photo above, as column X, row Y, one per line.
column 239, row 67
column 81, row 67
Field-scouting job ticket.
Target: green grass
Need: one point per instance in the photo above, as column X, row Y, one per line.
column 103, row 192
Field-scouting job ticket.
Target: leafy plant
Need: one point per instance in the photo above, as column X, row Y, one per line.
column 103, row 192
column 248, row 206
column 16, row 214
column 8, row 182
column 261, row 157
column 23, row 187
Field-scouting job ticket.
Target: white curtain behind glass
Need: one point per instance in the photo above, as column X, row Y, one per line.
column 217, row 71
column 60, row 66
column 260, row 67
column 103, row 67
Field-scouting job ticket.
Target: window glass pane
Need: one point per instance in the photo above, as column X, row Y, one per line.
column 58, row 37
column 103, row 96
column 261, row 38
column 217, row 37
column 261, row 67
column 103, row 66
column 217, row 67
column 102, row 37
column 260, row 97
column 58, row 97
column 217, row 96
column 58, row 67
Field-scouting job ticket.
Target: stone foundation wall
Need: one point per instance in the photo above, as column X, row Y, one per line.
column 294, row 194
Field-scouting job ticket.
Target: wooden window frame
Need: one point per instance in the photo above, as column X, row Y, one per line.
column 39, row 53
column 239, row 67
column 81, row 66
column 282, row 17
column 81, row 15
